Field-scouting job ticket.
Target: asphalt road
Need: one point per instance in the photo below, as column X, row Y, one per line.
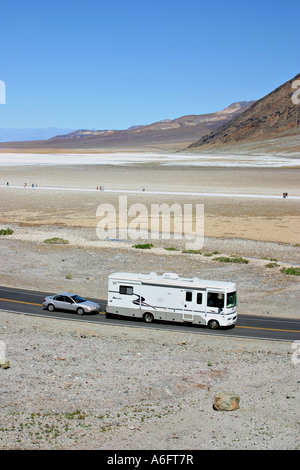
column 248, row 326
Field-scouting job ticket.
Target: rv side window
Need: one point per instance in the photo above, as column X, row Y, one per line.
column 188, row 296
column 199, row 298
column 128, row 290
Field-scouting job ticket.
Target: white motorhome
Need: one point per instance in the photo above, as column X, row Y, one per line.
column 171, row 298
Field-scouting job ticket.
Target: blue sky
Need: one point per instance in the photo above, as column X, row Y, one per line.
column 113, row 64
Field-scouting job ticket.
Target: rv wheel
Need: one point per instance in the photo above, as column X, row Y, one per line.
column 148, row 317
column 213, row 324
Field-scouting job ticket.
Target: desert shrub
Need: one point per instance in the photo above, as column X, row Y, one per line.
column 226, row 259
column 145, row 246
column 6, row 231
column 56, row 241
column 292, row 271
column 212, row 253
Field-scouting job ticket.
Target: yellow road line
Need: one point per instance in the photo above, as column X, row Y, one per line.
column 269, row 329
column 20, row 302
column 236, row 326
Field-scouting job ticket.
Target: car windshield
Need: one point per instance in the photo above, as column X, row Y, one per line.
column 77, row 299
column 231, row 299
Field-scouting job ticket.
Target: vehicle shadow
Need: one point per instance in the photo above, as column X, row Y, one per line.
column 70, row 312
column 164, row 322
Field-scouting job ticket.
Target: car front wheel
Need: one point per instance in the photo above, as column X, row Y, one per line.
column 80, row 311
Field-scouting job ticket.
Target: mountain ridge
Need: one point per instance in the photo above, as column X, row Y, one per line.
column 274, row 115
column 182, row 130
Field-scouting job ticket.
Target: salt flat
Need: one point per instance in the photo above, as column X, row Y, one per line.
column 239, row 202
column 165, row 158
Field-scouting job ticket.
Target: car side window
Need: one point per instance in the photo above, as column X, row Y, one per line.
column 59, row 298
column 68, row 300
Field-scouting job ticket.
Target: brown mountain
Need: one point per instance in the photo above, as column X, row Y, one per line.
column 180, row 131
column 268, row 120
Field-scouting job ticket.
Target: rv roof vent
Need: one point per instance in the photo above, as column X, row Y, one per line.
column 170, row 276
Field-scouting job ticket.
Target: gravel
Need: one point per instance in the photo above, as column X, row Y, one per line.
column 85, row 386
column 82, row 386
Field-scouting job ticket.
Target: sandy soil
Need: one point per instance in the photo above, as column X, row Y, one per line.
column 81, row 386
column 253, row 218
column 75, row 386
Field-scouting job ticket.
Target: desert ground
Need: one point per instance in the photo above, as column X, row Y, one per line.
column 96, row 387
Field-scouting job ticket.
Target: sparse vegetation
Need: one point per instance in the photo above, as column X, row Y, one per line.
column 145, row 246
column 226, row 259
column 212, row 253
column 193, row 252
column 272, row 265
column 171, row 248
column 292, row 271
column 69, row 276
column 270, row 259
column 56, row 241
column 6, row 231
column 76, row 415
column 47, row 428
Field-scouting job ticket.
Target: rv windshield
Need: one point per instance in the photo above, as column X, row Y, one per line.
column 231, row 299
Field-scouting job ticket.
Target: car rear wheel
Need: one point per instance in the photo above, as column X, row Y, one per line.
column 80, row 311
column 50, row 307
column 148, row 317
